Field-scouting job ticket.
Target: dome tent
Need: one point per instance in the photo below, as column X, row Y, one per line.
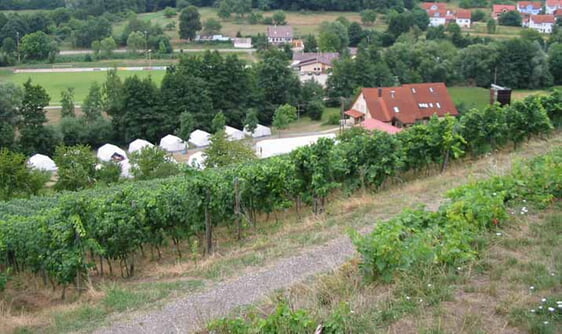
column 42, row 162
column 233, row 133
column 172, row 143
column 260, row 131
column 139, row 144
column 200, row 138
column 197, row 160
column 110, row 152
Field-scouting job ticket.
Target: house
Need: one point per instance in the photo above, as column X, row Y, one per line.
column 464, row 18
column 312, row 62
column 497, row 10
column 280, row 35
column 297, row 45
column 404, row 105
column 374, row 124
column 433, row 6
column 242, row 43
column 542, row 23
column 557, row 14
column 529, row 7
column 552, row 5
column 440, row 17
column 212, row 38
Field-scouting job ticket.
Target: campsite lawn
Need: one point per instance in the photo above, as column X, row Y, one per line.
column 55, row 83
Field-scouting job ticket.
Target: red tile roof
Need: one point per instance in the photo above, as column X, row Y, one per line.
column 498, row 9
column 437, row 5
column 374, row 124
column 409, row 103
column 557, row 13
column 280, row 31
column 354, row 113
column 554, row 3
column 464, row 14
column 538, row 19
column 533, row 4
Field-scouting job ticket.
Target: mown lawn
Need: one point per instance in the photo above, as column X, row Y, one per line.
column 55, row 83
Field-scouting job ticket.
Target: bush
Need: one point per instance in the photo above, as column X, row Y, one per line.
column 478, row 15
column 333, row 119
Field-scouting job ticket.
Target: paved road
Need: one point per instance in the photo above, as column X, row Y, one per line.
column 87, row 51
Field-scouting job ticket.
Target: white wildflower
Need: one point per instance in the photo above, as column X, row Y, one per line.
column 540, row 307
column 407, row 298
column 543, row 300
column 429, row 285
column 545, row 322
column 499, row 234
column 551, row 309
column 531, row 288
column 533, row 311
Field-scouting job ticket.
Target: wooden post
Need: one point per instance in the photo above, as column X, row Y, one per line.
column 208, row 227
column 237, row 208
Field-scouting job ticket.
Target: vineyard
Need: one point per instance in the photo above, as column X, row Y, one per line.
column 450, row 239
column 66, row 239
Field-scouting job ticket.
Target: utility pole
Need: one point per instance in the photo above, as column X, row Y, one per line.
column 146, row 44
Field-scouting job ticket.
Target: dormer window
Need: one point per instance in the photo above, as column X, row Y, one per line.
column 413, row 90
column 438, row 105
column 431, row 89
column 396, row 109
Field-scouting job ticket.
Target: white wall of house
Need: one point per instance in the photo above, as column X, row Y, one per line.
column 464, row 23
column 361, row 105
column 437, row 21
column 315, row 68
column 550, row 10
column 545, row 28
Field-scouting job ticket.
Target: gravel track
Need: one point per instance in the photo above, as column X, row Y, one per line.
column 193, row 312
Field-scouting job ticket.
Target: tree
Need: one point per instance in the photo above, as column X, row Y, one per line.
column 76, row 167
column 136, row 41
column 93, row 104
column 310, row 43
column 10, row 103
column 241, row 7
column 251, row 121
column 222, row 152
column 35, row 99
column 355, row 34
column 170, row 12
column 478, row 15
column 67, row 102
column 368, row 16
column 190, row 23
column 225, row 9
column 16, row 179
column 555, row 62
column 283, row 116
column 212, row 26
column 491, row 26
column 219, row 122
column 333, row 37
column 107, row 45
column 279, row 17
column 38, row 46
column 152, row 163
column 511, row 18
column 477, row 63
column 187, row 125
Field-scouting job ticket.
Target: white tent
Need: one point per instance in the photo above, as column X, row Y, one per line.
column 172, row 144
column 110, row 152
column 260, row 131
column 197, row 160
column 42, row 162
column 233, row 133
column 270, row 147
column 126, row 169
column 199, row 138
column 139, row 144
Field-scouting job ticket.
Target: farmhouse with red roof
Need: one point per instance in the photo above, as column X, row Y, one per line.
column 552, row 5
column 541, row 23
column 529, row 7
column 404, row 105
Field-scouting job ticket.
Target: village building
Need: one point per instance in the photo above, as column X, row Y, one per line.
column 402, row 106
column 497, row 10
column 541, row 23
column 551, row 6
column 464, row 18
column 529, row 7
column 313, row 62
column 242, row 43
column 433, row 6
column 277, row 35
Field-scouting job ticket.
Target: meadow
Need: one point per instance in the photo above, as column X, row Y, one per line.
column 55, row 83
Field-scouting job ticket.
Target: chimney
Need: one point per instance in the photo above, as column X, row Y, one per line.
column 380, row 91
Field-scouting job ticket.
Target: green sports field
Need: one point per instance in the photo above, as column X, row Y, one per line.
column 55, row 83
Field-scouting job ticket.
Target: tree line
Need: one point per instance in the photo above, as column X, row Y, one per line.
column 80, row 233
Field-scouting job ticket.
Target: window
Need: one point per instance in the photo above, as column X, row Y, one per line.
column 431, row 89
column 413, row 90
column 396, row 109
column 438, row 105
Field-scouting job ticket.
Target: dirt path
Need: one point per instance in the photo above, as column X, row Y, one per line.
column 191, row 313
